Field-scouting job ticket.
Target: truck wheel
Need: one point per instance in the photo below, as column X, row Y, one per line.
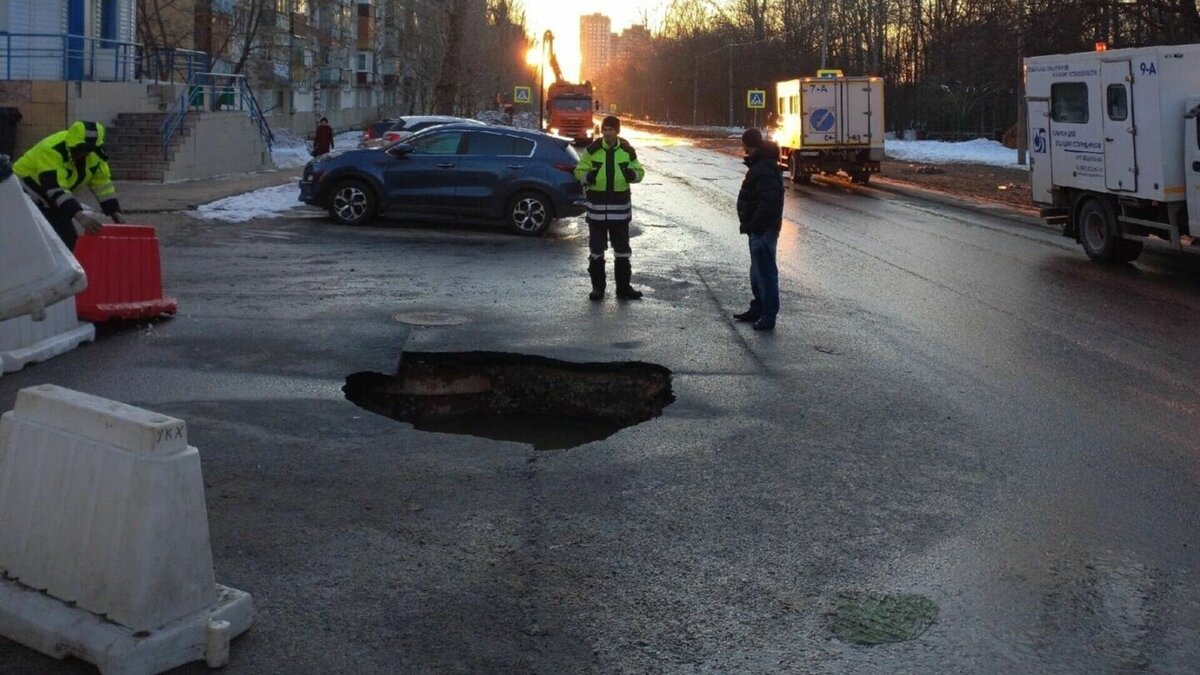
column 529, row 214
column 860, row 177
column 1097, row 227
column 351, row 202
column 797, row 177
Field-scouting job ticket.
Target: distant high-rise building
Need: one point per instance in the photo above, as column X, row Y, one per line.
column 633, row 42
column 595, row 46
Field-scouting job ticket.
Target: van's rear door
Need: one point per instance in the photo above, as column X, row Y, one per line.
column 1191, row 158
column 1041, row 177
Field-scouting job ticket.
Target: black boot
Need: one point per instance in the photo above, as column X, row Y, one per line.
column 623, row 272
column 750, row 315
column 596, row 272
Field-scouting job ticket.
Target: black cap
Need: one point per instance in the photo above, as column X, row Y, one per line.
column 752, row 138
column 611, row 121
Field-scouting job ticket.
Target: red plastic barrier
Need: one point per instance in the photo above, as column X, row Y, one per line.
column 124, row 275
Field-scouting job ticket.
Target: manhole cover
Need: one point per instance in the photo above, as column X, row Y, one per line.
column 547, row 403
column 874, row 618
column 430, row 319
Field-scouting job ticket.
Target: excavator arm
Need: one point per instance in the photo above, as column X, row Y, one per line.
column 548, row 38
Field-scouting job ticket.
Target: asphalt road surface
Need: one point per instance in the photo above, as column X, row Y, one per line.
column 954, row 406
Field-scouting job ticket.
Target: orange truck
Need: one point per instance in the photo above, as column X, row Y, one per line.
column 568, row 104
column 569, row 111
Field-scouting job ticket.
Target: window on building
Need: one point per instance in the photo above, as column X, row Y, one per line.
column 362, row 63
column 1118, row 102
column 108, row 22
column 1069, row 102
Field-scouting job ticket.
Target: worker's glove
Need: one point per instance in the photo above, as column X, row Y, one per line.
column 630, row 174
column 88, row 223
column 118, row 217
column 591, row 177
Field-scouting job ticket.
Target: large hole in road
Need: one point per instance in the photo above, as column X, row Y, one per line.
column 547, row 403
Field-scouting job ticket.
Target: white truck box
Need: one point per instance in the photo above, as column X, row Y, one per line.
column 827, row 124
column 1109, row 150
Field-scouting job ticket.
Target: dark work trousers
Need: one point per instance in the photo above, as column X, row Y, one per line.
column 63, row 225
column 600, row 234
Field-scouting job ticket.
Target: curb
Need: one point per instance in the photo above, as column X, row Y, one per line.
column 998, row 210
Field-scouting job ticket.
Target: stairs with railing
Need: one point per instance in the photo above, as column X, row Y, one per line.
column 215, row 126
column 135, row 146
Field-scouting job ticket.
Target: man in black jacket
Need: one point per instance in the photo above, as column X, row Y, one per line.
column 760, row 214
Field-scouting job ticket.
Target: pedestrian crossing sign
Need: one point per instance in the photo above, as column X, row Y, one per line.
column 521, row 95
column 756, row 98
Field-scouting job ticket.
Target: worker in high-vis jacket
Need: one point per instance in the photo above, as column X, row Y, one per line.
column 607, row 168
column 51, row 170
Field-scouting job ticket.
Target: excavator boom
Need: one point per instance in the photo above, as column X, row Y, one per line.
column 548, row 37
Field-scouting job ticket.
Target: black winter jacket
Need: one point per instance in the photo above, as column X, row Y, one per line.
column 760, row 201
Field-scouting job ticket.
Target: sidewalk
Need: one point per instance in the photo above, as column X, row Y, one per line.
column 149, row 197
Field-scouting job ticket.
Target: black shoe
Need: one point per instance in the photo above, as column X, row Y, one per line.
column 623, row 272
column 596, row 272
column 749, row 316
column 765, row 323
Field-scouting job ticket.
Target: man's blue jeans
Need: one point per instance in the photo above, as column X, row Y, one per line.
column 764, row 275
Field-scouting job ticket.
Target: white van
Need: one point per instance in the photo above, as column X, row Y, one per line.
column 1113, row 146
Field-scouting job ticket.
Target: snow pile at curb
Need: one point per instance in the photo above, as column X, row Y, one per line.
column 292, row 152
column 978, row 151
column 270, row 202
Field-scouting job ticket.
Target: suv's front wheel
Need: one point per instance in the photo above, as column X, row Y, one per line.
column 529, row 214
column 351, row 202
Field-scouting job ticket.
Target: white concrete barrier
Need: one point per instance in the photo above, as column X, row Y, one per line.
column 104, row 545
column 24, row 341
column 36, row 269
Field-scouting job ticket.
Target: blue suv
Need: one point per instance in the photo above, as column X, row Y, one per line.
column 460, row 171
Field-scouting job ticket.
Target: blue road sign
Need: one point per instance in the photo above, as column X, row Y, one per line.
column 521, row 95
column 821, row 120
column 756, row 98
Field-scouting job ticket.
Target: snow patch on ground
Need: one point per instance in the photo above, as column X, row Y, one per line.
column 270, row 202
column 978, row 151
column 292, row 152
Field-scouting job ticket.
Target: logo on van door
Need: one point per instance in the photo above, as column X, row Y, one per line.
column 1039, row 141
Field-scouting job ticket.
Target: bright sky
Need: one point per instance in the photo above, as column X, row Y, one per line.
column 562, row 17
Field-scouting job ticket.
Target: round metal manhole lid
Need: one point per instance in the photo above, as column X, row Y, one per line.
column 429, row 319
column 878, row 618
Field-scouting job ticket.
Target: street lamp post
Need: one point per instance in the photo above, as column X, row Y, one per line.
column 696, row 79
column 542, row 88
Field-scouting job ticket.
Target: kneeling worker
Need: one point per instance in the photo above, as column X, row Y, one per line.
column 58, row 164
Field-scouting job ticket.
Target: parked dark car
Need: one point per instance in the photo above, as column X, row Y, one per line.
column 462, row 171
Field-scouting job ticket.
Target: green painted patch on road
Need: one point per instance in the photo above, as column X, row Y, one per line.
column 874, row 618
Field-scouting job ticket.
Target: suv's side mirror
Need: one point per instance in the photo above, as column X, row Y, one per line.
column 401, row 149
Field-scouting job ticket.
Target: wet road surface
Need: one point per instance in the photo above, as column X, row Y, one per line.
column 953, row 405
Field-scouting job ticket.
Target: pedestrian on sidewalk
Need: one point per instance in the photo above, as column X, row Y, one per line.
column 607, row 167
column 58, row 164
column 323, row 140
column 760, row 216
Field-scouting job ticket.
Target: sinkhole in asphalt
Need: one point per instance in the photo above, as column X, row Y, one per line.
column 547, row 403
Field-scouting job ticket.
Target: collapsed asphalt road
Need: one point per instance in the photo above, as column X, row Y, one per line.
column 958, row 417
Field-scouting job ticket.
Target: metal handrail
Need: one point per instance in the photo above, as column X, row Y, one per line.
column 73, row 52
column 214, row 91
column 170, row 61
